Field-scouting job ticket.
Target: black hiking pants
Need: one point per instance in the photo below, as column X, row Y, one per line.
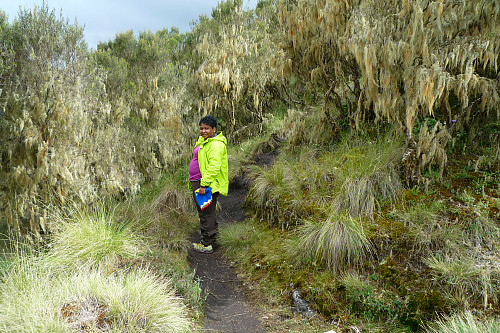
column 208, row 221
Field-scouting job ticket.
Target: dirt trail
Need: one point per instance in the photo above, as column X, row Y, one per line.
column 227, row 309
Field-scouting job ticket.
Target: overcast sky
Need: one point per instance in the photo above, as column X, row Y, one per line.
column 103, row 19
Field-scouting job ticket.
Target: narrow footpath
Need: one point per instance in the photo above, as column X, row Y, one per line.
column 227, row 309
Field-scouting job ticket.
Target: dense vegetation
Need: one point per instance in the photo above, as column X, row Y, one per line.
column 384, row 197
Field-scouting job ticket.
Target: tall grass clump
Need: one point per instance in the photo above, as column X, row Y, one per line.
column 466, row 280
column 464, row 323
column 171, row 214
column 338, row 243
column 270, row 191
column 354, row 176
column 286, row 192
column 427, row 227
column 94, row 236
column 364, row 172
column 34, row 298
column 173, row 193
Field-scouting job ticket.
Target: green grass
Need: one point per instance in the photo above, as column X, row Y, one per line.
column 364, row 173
column 338, row 243
column 373, row 303
column 94, row 236
column 426, row 227
column 465, row 323
column 466, row 280
column 238, row 238
column 104, row 268
column 36, row 298
column 341, row 206
column 358, row 176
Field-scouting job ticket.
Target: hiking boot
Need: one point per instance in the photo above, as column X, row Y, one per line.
column 199, row 247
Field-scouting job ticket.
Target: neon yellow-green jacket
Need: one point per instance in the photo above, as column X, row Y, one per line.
column 212, row 158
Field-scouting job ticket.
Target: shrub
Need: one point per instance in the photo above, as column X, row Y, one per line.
column 68, row 133
column 399, row 62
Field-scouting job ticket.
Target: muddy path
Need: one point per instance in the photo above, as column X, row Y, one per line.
column 227, row 307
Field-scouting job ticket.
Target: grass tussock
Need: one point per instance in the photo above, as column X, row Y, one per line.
column 464, row 323
column 339, row 242
column 238, row 238
column 173, row 194
column 94, row 236
column 98, row 274
column 355, row 176
column 364, row 172
column 426, row 227
column 466, row 280
column 164, row 212
column 35, row 298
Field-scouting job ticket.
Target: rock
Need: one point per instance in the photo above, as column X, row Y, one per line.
column 301, row 305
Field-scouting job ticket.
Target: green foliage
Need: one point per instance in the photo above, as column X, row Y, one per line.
column 366, row 173
column 426, row 227
column 183, row 280
column 77, row 126
column 92, row 275
column 356, row 176
column 398, row 62
column 280, row 193
column 370, row 302
column 233, row 78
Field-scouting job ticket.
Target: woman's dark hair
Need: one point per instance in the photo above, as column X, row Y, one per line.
column 208, row 120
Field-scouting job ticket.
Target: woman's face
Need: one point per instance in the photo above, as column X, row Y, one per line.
column 206, row 131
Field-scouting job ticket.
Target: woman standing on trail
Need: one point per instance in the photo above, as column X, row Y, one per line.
column 208, row 176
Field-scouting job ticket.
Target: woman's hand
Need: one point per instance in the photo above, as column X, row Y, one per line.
column 201, row 190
